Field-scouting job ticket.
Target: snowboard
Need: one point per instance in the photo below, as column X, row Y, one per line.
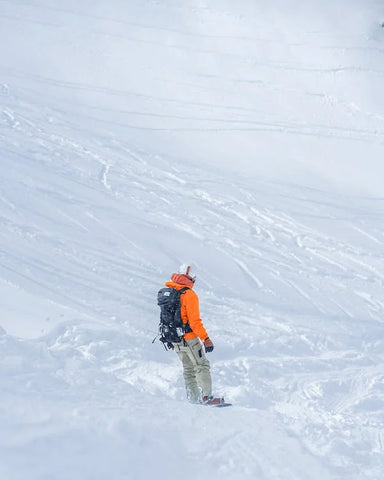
column 220, row 405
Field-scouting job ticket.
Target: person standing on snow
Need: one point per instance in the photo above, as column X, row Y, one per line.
column 196, row 367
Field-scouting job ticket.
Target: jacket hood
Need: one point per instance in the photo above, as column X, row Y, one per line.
column 179, row 283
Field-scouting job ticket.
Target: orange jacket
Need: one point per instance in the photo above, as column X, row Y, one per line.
column 190, row 312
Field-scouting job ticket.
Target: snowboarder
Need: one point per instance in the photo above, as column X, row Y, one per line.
column 196, row 367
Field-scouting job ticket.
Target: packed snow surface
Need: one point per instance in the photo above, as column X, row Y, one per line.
column 245, row 137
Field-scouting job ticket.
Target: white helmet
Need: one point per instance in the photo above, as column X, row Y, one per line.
column 187, row 270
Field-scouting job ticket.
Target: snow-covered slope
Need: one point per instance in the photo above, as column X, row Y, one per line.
column 246, row 138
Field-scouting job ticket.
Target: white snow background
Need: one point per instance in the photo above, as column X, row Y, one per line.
column 246, row 137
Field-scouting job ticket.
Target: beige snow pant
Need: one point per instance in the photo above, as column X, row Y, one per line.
column 196, row 369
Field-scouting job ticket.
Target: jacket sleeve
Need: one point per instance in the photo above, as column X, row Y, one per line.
column 193, row 314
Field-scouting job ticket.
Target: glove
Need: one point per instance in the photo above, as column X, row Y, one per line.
column 170, row 346
column 208, row 345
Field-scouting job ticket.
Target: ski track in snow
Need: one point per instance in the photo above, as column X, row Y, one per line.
column 92, row 222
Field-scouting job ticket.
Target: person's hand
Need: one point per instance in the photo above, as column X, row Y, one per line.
column 208, row 345
column 170, row 345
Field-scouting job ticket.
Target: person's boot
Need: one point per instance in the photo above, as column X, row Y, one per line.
column 212, row 400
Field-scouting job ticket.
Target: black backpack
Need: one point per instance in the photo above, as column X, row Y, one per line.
column 171, row 327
